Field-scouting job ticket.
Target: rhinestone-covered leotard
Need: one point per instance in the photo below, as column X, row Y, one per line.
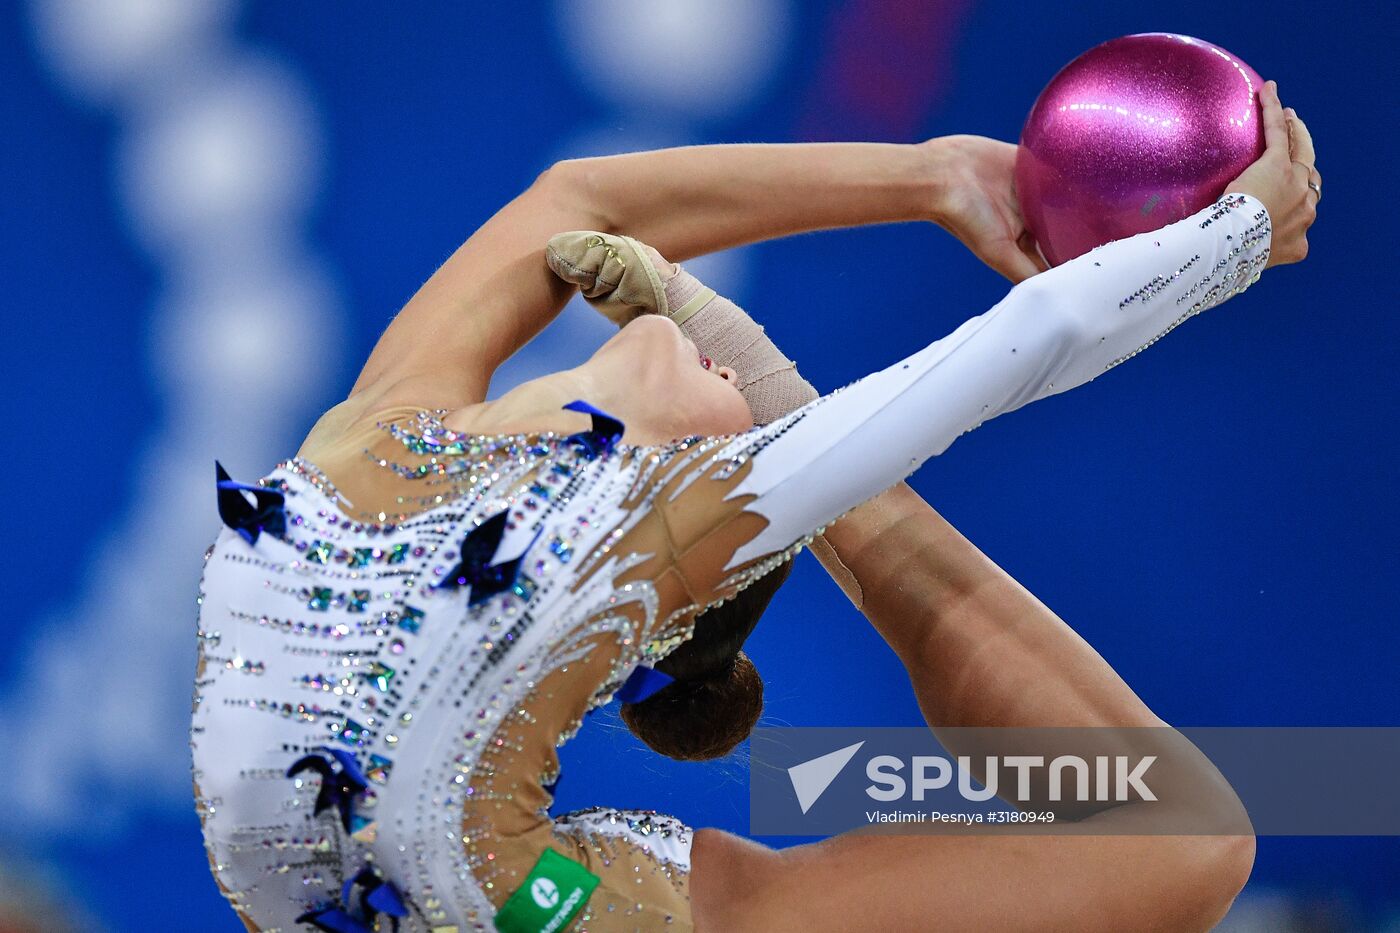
column 358, row 636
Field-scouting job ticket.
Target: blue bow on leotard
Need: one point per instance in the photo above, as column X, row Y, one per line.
column 377, row 897
column 642, row 683
column 475, row 569
column 604, row 435
column 335, row 920
column 250, row 519
column 338, row 788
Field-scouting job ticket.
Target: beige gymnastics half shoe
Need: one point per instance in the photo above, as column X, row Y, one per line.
column 613, row 272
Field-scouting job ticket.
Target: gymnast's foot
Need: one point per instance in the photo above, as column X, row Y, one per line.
column 624, row 278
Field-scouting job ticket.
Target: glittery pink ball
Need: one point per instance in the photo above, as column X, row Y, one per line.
column 1131, row 136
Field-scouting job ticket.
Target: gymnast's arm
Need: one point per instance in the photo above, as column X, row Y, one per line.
column 981, row 651
column 1053, row 332
column 495, row 292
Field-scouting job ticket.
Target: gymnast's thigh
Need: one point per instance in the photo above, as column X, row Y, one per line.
column 642, row 860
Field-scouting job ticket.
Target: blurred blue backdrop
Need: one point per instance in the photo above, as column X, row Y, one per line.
column 212, row 208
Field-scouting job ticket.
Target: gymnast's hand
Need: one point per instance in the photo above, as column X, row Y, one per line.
column 1285, row 178
column 976, row 202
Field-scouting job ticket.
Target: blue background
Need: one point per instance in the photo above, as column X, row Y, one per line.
column 1217, row 519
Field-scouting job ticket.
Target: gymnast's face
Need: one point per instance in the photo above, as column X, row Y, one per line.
column 666, row 388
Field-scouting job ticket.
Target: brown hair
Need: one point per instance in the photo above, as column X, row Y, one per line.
column 717, row 696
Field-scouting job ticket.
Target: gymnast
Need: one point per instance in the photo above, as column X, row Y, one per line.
column 401, row 624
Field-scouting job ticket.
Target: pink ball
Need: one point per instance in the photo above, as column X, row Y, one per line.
column 1131, row 136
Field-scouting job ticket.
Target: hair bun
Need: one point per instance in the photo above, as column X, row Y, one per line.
column 700, row 718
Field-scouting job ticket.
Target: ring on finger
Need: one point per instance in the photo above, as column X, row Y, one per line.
column 1317, row 189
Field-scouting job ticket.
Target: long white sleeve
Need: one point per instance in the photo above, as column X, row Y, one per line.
column 1051, row 333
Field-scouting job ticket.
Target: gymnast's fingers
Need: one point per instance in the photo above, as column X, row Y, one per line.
column 1301, row 139
column 1275, row 124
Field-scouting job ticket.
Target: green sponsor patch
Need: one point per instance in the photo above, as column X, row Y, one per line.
column 553, row 893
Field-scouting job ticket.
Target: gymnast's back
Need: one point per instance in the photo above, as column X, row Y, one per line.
column 397, row 629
